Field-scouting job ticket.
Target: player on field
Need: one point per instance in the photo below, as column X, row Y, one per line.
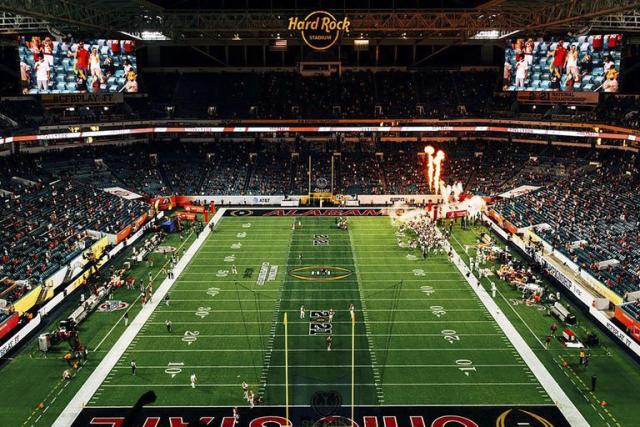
column 302, row 311
column 234, row 270
column 133, row 367
column 245, row 390
column 168, row 324
column 194, row 380
column 251, row 398
column 329, row 342
column 331, row 314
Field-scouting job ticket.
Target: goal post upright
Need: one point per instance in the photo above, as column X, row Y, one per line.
column 353, row 367
column 286, row 367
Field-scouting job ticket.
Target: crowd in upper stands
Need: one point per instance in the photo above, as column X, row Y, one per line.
column 591, row 216
column 49, row 201
column 352, row 94
column 45, row 216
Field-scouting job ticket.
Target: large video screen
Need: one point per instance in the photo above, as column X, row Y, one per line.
column 585, row 63
column 48, row 65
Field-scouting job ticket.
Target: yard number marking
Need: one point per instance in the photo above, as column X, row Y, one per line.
column 437, row 310
column 203, row 312
column 190, row 337
column 466, row 366
column 174, row 368
column 427, row 290
column 213, row 291
column 450, row 336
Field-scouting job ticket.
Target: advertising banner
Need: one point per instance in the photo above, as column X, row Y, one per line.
column 28, row 301
column 539, row 97
column 123, row 193
column 19, row 336
column 8, row 325
column 73, row 99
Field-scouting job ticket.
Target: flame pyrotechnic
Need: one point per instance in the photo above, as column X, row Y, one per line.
column 434, row 168
column 429, row 150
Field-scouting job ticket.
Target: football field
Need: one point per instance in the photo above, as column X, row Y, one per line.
column 422, row 337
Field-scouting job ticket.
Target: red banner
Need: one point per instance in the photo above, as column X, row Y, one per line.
column 123, row 234
column 194, row 208
column 8, row 325
column 187, row 216
column 633, row 325
column 141, row 220
column 163, row 203
column 456, row 214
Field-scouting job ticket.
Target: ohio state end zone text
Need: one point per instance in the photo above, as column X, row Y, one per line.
column 389, row 416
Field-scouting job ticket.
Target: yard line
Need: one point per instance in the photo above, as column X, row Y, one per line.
column 187, row 384
column 419, row 405
column 302, row 350
column 306, row 335
column 297, row 265
column 341, row 299
column 420, row 310
column 410, row 279
column 335, row 321
column 403, row 366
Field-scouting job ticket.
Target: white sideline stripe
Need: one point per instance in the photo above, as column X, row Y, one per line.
column 98, row 376
column 574, row 417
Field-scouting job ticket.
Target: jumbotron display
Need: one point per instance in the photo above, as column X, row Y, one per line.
column 77, row 65
column 585, row 63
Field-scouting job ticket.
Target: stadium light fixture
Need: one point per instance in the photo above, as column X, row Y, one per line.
column 147, row 35
column 510, row 33
column 493, row 34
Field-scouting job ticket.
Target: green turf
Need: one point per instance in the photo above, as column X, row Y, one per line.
column 618, row 374
column 402, row 355
column 37, row 379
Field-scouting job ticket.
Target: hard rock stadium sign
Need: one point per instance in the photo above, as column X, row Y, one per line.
column 320, row 30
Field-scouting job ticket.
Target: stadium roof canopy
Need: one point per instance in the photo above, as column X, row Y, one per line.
column 418, row 20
